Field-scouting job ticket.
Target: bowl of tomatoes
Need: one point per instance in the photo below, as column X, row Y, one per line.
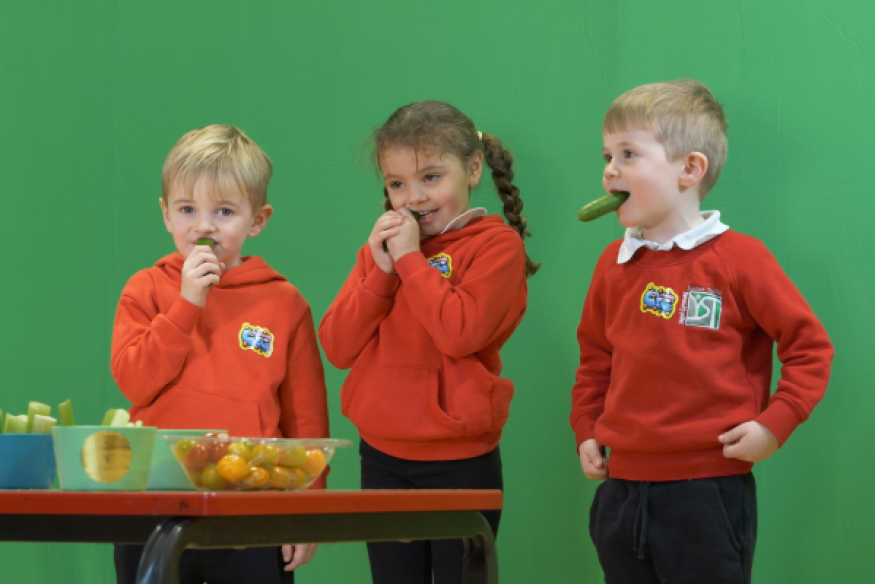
column 218, row 462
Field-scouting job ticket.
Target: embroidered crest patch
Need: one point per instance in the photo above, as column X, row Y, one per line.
column 659, row 300
column 702, row 307
column 443, row 263
column 256, row 338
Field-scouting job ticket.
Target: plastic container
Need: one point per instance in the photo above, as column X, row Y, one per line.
column 27, row 461
column 166, row 474
column 253, row 464
column 103, row 458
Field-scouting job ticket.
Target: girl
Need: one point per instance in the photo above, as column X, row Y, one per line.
column 435, row 293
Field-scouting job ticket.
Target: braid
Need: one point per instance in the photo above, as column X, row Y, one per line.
column 501, row 161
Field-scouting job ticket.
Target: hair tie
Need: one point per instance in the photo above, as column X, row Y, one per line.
column 480, row 135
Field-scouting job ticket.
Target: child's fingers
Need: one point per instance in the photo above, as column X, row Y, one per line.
column 733, row 435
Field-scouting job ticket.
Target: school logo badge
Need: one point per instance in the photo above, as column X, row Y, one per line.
column 443, row 263
column 702, row 307
column 659, row 300
column 256, row 338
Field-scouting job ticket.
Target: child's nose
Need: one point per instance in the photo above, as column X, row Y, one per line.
column 611, row 170
column 205, row 224
column 417, row 196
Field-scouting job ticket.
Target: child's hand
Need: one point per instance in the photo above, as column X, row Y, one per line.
column 407, row 239
column 385, row 228
column 200, row 271
column 296, row 556
column 750, row 441
column 592, row 460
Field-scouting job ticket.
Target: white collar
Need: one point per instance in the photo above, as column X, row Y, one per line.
column 477, row 212
column 711, row 228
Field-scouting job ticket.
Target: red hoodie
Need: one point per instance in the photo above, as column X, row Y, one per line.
column 676, row 348
column 424, row 345
column 248, row 362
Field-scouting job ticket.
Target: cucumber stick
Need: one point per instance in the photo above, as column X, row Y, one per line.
column 602, row 206
column 206, row 241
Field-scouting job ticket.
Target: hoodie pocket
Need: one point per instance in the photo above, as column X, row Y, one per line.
column 186, row 408
column 398, row 403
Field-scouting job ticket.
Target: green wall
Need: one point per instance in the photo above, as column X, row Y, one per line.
column 93, row 95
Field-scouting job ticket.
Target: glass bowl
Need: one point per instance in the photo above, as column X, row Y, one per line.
column 227, row 463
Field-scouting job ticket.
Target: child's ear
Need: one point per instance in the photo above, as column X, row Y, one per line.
column 695, row 167
column 259, row 220
column 165, row 213
column 475, row 169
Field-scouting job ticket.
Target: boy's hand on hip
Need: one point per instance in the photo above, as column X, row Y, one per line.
column 750, row 441
column 296, row 556
column 592, row 460
column 200, row 271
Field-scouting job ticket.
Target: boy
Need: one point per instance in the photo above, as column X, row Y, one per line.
column 181, row 349
column 676, row 341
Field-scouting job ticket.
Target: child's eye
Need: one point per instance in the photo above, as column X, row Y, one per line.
column 607, row 157
column 395, row 184
column 225, row 212
column 431, row 177
column 186, row 209
column 628, row 154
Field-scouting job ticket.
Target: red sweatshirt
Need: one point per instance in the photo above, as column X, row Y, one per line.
column 676, row 348
column 248, row 362
column 424, row 344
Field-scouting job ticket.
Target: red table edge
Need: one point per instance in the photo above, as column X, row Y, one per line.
column 211, row 504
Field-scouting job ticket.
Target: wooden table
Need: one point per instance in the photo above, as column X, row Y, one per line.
column 169, row 521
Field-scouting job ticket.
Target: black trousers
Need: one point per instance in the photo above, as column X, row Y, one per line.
column 258, row 565
column 416, row 562
column 682, row 532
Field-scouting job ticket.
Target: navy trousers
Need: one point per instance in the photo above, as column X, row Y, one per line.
column 678, row 532
column 418, row 561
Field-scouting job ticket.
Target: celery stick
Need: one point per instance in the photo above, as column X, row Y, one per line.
column 43, row 424
column 116, row 417
column 65, row 414
column 36, row 409
column 1, row 419
column 16, row 424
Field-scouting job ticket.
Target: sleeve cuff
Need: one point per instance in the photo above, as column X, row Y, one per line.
column 781, row 419
column 184, row 314
column 380, row 283
column 584, row 429
column 411, row 263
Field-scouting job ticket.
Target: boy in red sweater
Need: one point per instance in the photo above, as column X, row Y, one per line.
column 676, row 342
column 207, row 338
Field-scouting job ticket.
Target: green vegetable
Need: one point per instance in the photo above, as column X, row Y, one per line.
column 602, row 206
column 116, row 417
column 43, row 424
column 206, row 241
column 16, row 424
column 65, row 414
column 416, row 215
column 1, row 419
column 36, row 409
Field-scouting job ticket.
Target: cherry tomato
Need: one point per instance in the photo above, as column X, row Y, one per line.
column 280, row 477
column 183, row 446
column 196, row 458
column 256, row 479
column 293, row 455
column 315, row 462
column 298, row 478
column 232, row 468
column 265, row 454
column 218, row 447
column 211, row 479
column 241, row 450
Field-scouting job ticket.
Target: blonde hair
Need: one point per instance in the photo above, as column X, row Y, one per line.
column 684, row 117
column 225, row 156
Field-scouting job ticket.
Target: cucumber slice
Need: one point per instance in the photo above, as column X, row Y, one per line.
column 416, row 215
column 206, row 241
column 43, row 424
column 36, row 409
column 602, row 206
column 116, row 417
column 65, row 414
column 16, row 424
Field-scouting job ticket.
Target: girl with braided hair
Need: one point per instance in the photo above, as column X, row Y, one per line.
column 436, row 291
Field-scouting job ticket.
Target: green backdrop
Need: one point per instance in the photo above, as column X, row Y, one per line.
column 93, row 95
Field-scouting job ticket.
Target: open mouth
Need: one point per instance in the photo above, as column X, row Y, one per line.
column 420, row 215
